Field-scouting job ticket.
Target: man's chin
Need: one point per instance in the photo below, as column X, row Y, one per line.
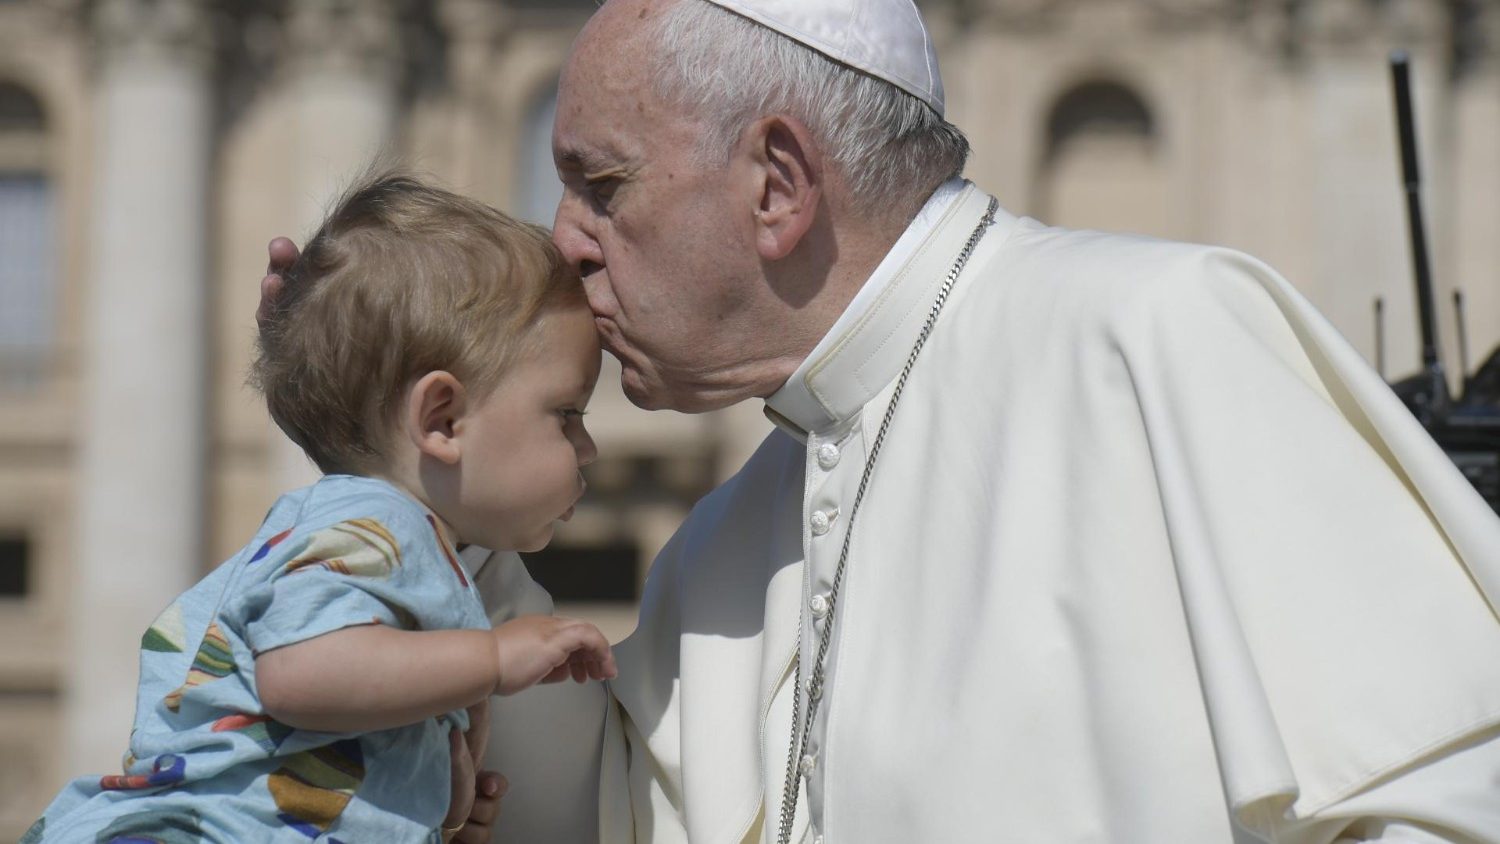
column 651, row 394
column 654, row 396
column 642, row 393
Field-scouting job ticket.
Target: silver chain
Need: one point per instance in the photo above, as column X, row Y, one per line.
column 802, row 721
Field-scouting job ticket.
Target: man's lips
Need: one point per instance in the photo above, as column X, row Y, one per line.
column 612, row 341
column 609, row 332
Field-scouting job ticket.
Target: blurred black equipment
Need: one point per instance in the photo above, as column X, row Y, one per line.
column 1466, row 427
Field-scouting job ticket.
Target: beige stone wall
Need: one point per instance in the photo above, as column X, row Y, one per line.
column 1272, row 134
column 1265, row 132
column 40, row 52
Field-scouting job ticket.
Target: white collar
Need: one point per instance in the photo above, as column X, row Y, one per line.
column 866, row 346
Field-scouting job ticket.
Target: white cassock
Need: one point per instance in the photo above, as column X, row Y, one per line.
column 1149, row 555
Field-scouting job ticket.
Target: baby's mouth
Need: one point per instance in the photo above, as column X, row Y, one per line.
column 583, row 486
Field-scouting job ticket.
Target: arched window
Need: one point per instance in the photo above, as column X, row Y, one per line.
column 1098, row 109
column 27, row 242
column 538, row 189
column 1102, row 168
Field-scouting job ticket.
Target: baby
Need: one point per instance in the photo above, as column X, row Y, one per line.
column 433, row 357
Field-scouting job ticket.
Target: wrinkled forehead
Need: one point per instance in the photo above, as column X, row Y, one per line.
column 602, row 78
column 599, row 121
column 620, row 30
column 615, row 48
column 607, row 104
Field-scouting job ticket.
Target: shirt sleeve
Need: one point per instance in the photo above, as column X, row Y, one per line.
column 389, row 568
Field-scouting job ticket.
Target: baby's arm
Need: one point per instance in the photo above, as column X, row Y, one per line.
column 374, row 677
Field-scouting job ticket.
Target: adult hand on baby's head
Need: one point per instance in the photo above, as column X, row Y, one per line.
column 282, row 254
column 548, row 649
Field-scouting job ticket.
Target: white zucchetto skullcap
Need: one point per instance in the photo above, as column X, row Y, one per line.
column 884, row 38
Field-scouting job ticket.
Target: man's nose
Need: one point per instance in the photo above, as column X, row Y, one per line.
column 577, row 247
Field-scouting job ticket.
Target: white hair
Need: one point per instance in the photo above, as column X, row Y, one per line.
column 891, row 148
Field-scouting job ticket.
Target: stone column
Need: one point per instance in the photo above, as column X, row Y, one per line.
column 143, row 427
column 343, row 68
column 1356, row 209
column 475, row 31
column 1261, row 146
column 1006, row 40
column 1476, row 191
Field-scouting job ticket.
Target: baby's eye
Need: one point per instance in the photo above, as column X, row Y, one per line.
column 570, row 413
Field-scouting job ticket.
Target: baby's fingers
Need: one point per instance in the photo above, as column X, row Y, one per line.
column 585, row 643
column 594, row 648
column 597, row 672
column 603, row 668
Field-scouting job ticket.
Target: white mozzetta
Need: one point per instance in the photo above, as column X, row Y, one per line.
column 1150, row 555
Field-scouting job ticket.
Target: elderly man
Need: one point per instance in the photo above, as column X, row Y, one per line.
column 1061, row 536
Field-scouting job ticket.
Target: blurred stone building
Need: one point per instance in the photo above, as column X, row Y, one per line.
column 150, row 148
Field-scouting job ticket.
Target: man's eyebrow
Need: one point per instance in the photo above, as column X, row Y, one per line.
column 581, row 159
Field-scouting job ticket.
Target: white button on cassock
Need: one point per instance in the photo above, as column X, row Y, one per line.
column 828, row 456
column 807, row 765
column 822, row 520
column 819, row 605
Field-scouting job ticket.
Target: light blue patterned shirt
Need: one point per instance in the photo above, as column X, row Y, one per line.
column 207, row 764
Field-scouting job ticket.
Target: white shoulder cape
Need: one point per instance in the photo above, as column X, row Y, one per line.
column 1149, row 548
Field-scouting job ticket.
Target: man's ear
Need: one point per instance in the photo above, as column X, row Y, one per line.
column 434, row 405
column 789, row 169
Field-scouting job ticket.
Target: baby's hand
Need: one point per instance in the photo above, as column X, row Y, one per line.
column 547, row 649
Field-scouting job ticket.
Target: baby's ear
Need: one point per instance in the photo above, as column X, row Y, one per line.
column 434, row 405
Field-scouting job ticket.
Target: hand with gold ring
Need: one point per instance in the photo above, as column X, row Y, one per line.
column 475, row 802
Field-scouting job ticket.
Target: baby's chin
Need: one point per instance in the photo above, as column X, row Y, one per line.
column 540, row 540
column 524, row 540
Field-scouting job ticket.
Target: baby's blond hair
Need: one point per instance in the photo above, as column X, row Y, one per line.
column 401, row 279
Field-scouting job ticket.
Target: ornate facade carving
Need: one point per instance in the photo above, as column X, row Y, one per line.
column 1041, row 14
column 355, row 36
column 1482, row 36
column 1367, row 23
column 175, row 29
column 475, row 30
column 1338, row 22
